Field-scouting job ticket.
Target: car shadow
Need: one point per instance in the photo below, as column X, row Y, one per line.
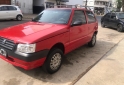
column 75, row 65
column 8, row 20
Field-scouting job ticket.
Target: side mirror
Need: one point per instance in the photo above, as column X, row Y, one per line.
column 77, row 23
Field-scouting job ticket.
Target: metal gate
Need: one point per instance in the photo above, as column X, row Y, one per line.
column 8, row 2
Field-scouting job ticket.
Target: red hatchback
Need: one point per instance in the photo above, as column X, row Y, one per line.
column 45, row 40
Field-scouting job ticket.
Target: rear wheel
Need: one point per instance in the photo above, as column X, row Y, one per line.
column 19, row 17
column 54, row 61
column 120, row 28
column 93, row 41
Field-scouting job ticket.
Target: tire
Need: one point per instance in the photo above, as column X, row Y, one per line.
column 93, row 41
column 19, row 18
column 102, row 24
column 53, row 61
column 120, row 28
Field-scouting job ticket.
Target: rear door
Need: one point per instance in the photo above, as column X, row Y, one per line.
column 12, row 11
column 78, row 34
column 4, row 12
column 92, row 24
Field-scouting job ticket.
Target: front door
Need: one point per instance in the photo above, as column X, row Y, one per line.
column 107, row 19
column 78, row 34
column 113, row 21
column 4, row 12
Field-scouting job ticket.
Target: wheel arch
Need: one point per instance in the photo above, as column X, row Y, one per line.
column 59, row 46
column 119, row 23
column 96, row 32
column 19, row 15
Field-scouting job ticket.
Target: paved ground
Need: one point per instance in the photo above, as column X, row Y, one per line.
column 76, row 64
column 7, row 23
column 109, row 71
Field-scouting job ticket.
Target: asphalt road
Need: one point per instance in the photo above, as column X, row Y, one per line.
column 8, row 23
column 76, row 64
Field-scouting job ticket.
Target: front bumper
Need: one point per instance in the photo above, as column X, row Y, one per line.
column 26, row 61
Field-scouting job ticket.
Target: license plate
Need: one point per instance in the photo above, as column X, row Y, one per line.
column 3, row 52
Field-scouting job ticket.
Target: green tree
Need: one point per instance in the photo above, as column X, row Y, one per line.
column 119, row 4
column 123, row 5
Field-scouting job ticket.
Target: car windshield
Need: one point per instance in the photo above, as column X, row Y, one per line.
column 120, row 15
column 55, row 16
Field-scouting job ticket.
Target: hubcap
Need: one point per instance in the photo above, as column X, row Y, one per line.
column 55, row 61
column 119, row 27
column 94, row 40
column 103, row 24
column 19, row 17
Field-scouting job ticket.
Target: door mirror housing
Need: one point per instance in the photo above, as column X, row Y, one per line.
column 77, row 23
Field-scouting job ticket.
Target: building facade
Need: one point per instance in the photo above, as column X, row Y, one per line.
column 100, row 7
column 90, row 3
column 36, row 6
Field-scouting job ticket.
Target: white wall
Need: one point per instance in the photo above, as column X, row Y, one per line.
column 74, row 2
column 25, row 5
column 38, row 2
column 89, row 2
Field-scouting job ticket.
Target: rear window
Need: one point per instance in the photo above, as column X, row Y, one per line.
column 90, row 16
column 12, row 8
column 79, row 15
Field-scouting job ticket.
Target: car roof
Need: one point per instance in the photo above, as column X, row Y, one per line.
column 7, row 5
column 69, row 8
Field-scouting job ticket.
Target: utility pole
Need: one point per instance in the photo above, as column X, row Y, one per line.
column 86, row 3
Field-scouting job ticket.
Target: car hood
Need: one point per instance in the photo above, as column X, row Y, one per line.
column 32, row 32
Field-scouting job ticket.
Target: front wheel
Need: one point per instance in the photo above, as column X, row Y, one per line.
column 120, row 28
column 102, row 24
column 93, row 41
column 54, row 61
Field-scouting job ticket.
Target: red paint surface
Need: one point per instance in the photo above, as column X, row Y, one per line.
column 23, row 64
column 46, row 35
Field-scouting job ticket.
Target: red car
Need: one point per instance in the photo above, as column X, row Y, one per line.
column 47, row 38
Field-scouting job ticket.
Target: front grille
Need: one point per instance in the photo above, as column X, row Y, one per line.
column 7, row 44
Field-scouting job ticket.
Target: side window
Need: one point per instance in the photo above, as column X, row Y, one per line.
column 91, row 17
column 79, row 15
column 113, row 16
column 4, row 8
column 12, row 8
column 0, row 9
column 107, row 15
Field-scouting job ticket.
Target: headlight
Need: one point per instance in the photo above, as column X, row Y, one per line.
column 26, row 48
